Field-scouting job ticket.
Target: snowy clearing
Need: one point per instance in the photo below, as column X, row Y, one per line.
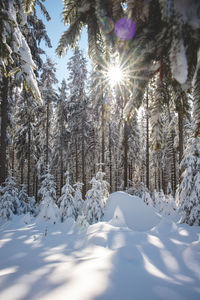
column 160, row 259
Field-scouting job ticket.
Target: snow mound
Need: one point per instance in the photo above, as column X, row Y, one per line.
column 123, row 210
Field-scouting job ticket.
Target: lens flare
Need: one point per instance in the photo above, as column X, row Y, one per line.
column 125, row 29
column 107, row 24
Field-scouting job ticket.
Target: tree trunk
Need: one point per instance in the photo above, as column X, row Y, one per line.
column 94, row 154
column 180, row 134
column 76, row 154
column 13, row 160
column 110, row 157
column 130, row 171
column 4, row 124
column 33, row 183
column 22, row 172
column 29, row 160
column 125, row 155
column 47, row 136
column 61, row 170
column 83, row 164
column 103, row 138
column 147, row 141
column 36, row 189
column 172, row 156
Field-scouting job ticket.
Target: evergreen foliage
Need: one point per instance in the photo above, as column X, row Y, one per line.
column 48, row 208
column 9, row 201
column 66, row 201
column 94, row 203
column 189, row 191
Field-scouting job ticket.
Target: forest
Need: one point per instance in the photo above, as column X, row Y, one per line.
column 130, row 123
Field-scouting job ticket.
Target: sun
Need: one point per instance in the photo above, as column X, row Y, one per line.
column 115, row 75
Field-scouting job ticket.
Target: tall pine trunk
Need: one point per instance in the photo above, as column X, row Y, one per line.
column 125, row 155
column 61, row 170
column 4, row 125
column 110, row 156
column 13, row 160
column 147, row 140
column 83, row 163
column 47, row 136
column 180, row 134
column 29, row 160
column 22, row 172
column 103, row 138
column 76, row 156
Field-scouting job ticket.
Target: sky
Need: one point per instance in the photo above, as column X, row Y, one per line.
column 55, row 27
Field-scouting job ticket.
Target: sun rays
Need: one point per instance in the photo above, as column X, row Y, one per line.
column 121, row 73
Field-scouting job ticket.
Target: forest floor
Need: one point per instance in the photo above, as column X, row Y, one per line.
column 133, row 254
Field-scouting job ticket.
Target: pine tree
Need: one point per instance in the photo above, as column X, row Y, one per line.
column 78, row 198
column 60, row 133
column 66, row 201
column 48, row 80
column 25, row 201
column 10, row 203
column 48, row 208
column 96, row 198
column 94, row 203
column 77, row 113
column 189, row 191
column 103, row 186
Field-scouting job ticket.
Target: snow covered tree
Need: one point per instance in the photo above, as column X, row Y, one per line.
column 26, row 202
column 94, row 203
column 19, row 56
column 96, row 198
column 103, row 186
column 77, row 113
column 78, row 198
column 60, row 133
column 48, row 208
column 26, row 135
column 189, row 191
column 48, row 79
column 9, row 202
column 66, row 201
column 145, row 195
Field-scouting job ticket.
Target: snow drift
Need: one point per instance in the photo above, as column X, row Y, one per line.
column 105, row 261
column 125, row 210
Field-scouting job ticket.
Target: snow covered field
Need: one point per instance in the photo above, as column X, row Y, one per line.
column 132, row 254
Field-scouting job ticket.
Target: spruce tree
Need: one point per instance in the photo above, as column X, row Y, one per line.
column 66, row 201
column 48, row 208
column 9, row 202
column 94, row 203
column 189, row 191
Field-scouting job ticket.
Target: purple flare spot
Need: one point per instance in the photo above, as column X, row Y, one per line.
column 125, row 29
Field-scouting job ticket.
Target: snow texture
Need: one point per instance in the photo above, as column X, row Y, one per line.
column 103, row 262
column 125, row 209
column 179, row 67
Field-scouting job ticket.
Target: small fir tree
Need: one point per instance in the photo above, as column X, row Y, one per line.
column 103, row 186
column 48, row 208
column 145, row 195
column 24, row 199
column 189, row 191
column 9, row 202
column 94, row 204
column 78, row 198
column 66, row 201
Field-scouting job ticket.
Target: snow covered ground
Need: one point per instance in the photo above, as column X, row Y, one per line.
column 132, row 254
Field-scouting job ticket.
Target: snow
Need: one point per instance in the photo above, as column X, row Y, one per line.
column 179, row 67
column 126, row 209
column 103, row 261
